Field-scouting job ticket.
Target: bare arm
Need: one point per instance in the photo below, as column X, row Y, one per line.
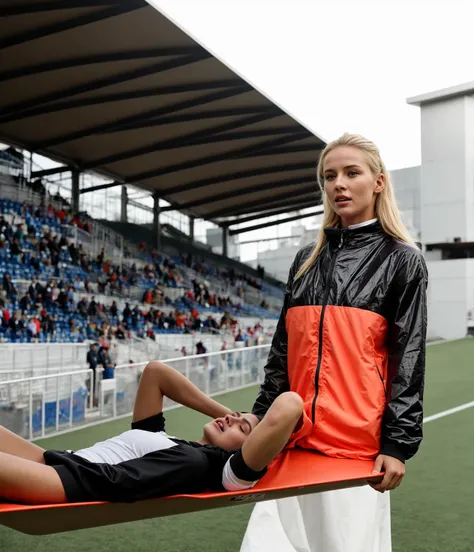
column 272, row 434
column 159, row 380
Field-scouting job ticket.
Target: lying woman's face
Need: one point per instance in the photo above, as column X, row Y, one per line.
column 230, row 432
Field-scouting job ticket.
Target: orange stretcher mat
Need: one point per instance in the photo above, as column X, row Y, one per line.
column 295, row 472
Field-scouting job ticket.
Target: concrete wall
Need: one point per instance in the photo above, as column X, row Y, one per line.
column 450, row 296
column 407, row 185
column 447, row 187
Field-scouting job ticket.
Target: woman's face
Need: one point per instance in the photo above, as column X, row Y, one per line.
column 231, row 431
column 350, row 186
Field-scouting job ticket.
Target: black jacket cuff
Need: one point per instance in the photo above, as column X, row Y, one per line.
column 390, row 449
column 242, row 471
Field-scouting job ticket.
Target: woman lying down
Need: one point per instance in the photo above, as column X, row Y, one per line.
column 145, row 462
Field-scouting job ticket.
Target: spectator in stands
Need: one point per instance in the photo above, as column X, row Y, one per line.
column 127, row 312
column 100, row 257
column 147, row 297
column 25, row 303
column 9, row 287
column 48, row 325
column 239, row 336
column 92, row 361
column 92, row 309
column 78, row 285
column 119, row 333
column 210, row 323
column 113, row 309
column 15, row 326
column 200, row 348
column 225, row 322
column 32, row 329
column 106, row 362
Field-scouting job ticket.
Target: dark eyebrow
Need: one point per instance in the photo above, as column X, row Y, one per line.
column 346, row 167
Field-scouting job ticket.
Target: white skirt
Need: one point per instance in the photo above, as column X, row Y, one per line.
column 348, row 520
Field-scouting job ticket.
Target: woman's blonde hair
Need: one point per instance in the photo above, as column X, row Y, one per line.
column 386, row 209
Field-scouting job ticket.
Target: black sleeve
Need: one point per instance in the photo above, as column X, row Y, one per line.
column 402, row 427
column 276, row 369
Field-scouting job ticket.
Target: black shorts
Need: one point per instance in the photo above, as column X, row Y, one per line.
column 72, row 468
column 154, row 423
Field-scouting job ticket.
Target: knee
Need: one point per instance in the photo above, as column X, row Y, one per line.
column 152, row 368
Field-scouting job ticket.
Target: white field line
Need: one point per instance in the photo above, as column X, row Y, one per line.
column 448, row 412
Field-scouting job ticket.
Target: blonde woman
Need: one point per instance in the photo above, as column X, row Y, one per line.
column 351, row 342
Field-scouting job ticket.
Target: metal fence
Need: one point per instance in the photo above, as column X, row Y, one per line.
column 43, row 405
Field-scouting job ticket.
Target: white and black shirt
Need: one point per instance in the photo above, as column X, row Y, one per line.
column 145, row 462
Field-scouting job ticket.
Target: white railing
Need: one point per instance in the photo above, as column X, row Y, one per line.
column 43, row 405
column 32, row 356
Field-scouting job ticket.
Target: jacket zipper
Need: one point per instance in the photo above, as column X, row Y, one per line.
column 382, row 380
column 321, row 324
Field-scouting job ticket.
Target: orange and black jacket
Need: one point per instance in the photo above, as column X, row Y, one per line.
column 351, row 342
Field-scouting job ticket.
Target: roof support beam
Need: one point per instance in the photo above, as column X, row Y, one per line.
column 51, row 5
column 207, row 160
column 266, row 201
column 114, row 125
column 272, row 223
column 100, row 187
column 302, row 148
column 248, row 173
column 271, row 212
column 237, row 193
column 288, row 204
column 49, row 172
column 199, row 137
column 85, row 19
column 108, row 57
column 199, row 116
column 74, row 103
column 11, row 112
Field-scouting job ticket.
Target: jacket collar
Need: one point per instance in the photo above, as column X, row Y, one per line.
column 357, row 233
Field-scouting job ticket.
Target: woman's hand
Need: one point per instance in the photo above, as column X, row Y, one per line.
column 394, row 472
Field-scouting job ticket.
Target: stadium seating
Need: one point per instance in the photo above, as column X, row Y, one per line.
column 34, row 247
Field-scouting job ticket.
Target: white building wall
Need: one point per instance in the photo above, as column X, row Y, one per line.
column 446, row 174
column 450, row 296
column 407, row 186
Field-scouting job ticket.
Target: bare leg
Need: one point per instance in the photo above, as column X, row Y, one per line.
column 17, row 446
column 28, row 482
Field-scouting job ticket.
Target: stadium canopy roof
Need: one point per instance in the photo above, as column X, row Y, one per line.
column 115, row 87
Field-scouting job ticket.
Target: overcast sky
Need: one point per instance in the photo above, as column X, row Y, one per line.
column 340, row 66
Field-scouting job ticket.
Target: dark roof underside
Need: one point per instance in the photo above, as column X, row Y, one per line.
column 115, row 87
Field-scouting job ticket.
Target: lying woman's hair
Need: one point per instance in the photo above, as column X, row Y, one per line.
column 386, row 209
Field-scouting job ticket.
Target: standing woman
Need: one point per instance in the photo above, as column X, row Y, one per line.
column 351, row 342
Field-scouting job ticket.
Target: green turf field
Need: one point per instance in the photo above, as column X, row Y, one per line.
column 431, row 511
